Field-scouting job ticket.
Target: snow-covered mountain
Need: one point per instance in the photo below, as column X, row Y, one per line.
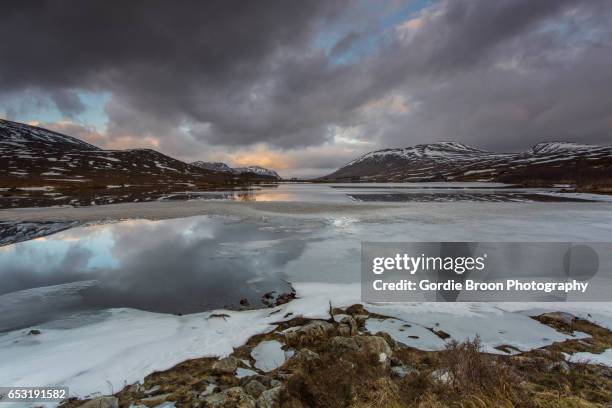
column 34, row 156
column 39, row 167
column 214, row 166
column 550, row 162
column 256, row 171
column 560, row 147
column 259, row 171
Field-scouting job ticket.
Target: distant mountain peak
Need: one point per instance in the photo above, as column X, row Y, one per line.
column 450, row 146
column 260, row 171
column 559, row 162
column 33, row 156
column 21, row 134
column 222, row 167
column 551, row 147
column 214, row 166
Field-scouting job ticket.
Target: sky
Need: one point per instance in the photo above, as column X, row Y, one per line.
column 304, row 87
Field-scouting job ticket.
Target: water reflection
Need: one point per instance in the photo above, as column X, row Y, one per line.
column 382, row 192
column 173, row 266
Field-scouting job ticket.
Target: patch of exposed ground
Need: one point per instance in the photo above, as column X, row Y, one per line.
column 338, row 363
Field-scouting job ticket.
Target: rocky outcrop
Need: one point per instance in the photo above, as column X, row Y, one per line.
column 369, row 346
column 102, row 402
column 254, row 388
column 234, row 397
column 269, row 398
column 310, row 333
column 226, row 365
column 338, row 362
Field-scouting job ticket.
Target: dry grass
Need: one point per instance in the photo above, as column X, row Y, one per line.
column 460, row 376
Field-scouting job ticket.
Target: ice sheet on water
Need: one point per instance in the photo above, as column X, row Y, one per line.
column 409, row 334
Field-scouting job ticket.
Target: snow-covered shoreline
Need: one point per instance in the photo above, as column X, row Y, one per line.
column 126, row 345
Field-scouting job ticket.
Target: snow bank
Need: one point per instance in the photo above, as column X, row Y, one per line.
column 604, row 358
column 125, row 345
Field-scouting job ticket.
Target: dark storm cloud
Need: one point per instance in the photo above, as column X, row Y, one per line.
column 537, row 71
column 68, row 102
column 203, row 62
column 498, row 74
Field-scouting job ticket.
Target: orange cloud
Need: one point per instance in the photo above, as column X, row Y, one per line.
column 260, row 156
column 132, row 142
column 91, row 135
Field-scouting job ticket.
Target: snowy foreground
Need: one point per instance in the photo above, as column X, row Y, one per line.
column 126, row 345
column 102, row 352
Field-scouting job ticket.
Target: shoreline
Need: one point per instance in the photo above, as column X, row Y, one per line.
column 299, row 358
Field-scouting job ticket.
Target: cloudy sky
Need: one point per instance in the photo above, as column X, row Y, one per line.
column 305, row 86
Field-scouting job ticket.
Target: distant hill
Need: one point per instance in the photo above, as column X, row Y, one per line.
column 41, row 167
column 542, row 164
column 214, row 166
column 251, row 171
column 34, row 156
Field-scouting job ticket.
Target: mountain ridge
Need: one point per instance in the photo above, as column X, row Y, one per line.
column 543, row 163
column 40, row 167
column 256, row 171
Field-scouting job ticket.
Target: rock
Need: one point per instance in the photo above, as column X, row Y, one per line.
column 283, row 376
column 374, row 345
column 269, row 398
column 270, row 299
column 369, row 345
column 542, row 353
column 560, row 317
column 244, row 302
column 560, row 366
column 336, row 311
column 360, row 319
column 442, row 376
column 338, row 316
column 344, row 331
column 210, row 388
column 254, row 388
column 356, row 309
column 135, row 388
column 227, row 365
column 392, row 343
column 275, row 383
column 440, row 333
column 156, row 399
column 348, row 326
column 402, row 371
column 309, row 333
column 343, row 344
column 307, row 356
column 152, row 390
column 285, row 298
column 102, row 402
column 234, row 397
column 33, row 332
